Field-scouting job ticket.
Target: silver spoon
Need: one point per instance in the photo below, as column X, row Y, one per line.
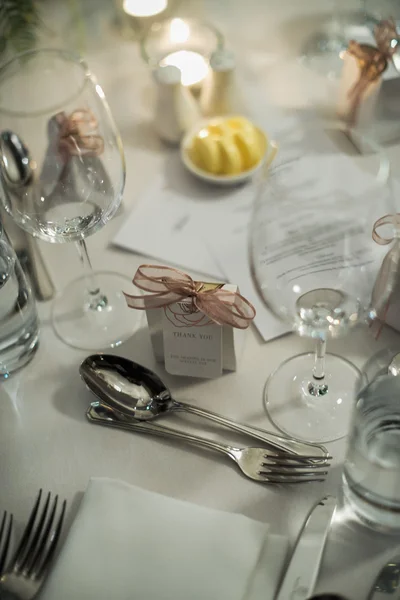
column 394, row 367
column 140, row 394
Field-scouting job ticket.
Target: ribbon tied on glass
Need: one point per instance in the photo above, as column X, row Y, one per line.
column 361, row 80
column 385, row 232
column 166, row 286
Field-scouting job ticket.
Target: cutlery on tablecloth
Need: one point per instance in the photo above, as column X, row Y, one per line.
column 30, row 565
column 255, row 463
column 5, row 538
column 327, row 597
column 301, row 574
column 139, row 393
column 387, row 581
column 18, row 182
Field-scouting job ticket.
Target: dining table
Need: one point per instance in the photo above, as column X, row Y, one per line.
column 45, row 439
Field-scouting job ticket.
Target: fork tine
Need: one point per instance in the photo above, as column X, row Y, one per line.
column 287, row 468
column 27, row 532
column 292, row 457
column 291, row 480
column 34, row 541
column 36, row 549
column 52, row 545
column 288, row 474
column 7, row 533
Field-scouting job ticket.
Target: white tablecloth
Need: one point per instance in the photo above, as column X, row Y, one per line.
column 45, row 440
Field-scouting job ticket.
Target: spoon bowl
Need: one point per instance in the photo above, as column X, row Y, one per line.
column 126, row 386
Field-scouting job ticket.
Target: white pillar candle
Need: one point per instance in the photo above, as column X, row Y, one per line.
column 144, row 8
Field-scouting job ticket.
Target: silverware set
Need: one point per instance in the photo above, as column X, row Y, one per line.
column 22, row 576
column 130, row 396
column 256, row 463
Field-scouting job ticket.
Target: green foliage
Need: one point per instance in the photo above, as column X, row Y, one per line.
column 19, row 22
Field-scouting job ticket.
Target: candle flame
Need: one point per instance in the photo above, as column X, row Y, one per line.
column 144, row 8
column 179, row 31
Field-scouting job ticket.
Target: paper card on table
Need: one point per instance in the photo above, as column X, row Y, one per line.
column 185, row 222
column 160, row 227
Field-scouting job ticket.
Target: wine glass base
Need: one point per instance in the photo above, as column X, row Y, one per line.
column 305, row 416
column 88, row 329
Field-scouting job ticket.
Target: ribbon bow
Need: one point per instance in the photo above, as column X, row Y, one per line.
column 78, row 134
column 372, row 61
column 389, row 269
column 167, row 286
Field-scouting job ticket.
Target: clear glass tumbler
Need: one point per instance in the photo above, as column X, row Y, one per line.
column 371, row 476
column 19, row 325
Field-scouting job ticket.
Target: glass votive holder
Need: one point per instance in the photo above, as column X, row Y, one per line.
column 135, row 17
column 183, row 43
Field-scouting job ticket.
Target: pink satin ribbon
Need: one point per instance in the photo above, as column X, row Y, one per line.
column 372, row 61
column 79, row 134
column 381, row 280
column 385, row 220
column 167, row 286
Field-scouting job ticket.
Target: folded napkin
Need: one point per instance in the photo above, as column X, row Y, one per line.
column 127, row 543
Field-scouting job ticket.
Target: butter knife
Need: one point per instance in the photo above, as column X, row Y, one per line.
column 387, row 581
column 301, row 574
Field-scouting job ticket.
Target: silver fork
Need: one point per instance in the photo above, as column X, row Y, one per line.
column 5, row 538
column 255, row 463
column 31, row 561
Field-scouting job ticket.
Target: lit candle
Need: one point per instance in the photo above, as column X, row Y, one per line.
column 144, row 8
column 192, row 65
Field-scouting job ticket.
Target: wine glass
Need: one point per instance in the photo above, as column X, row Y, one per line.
column 315, row 264
column 62, row 172
column 324, row 50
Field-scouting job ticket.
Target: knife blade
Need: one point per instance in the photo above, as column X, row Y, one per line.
column 387, row 581
column 302, row 571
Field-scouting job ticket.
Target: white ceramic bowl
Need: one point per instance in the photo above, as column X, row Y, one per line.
column 210, row 177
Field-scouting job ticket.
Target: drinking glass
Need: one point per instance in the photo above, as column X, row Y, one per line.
column 19, row 324
column 315, row 264
column 371, row 474
column 62, row 172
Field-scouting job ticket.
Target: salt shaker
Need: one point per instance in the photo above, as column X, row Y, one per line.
column 219, row 94
column 176, row 109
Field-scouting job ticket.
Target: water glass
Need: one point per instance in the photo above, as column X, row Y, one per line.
column 371, row 476
column 19, row 325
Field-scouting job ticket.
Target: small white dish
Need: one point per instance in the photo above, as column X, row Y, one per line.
column 267, row 157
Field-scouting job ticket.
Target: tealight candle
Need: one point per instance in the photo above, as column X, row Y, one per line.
column 186, row 44
column 192, row 65
column 144, row 8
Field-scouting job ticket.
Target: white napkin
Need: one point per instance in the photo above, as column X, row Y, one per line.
column 127, row 543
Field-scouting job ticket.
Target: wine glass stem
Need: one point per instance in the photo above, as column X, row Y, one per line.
column 318, row 386
column 337, row 17
column 94, row 299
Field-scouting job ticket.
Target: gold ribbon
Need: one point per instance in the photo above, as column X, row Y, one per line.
column 167, row 285
column 372, row 61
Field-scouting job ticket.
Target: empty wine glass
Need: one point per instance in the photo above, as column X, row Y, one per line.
column 315, row 265
column 324, row 50
column 62, row 172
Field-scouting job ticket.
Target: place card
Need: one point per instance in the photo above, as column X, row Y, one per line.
column 190, row 343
